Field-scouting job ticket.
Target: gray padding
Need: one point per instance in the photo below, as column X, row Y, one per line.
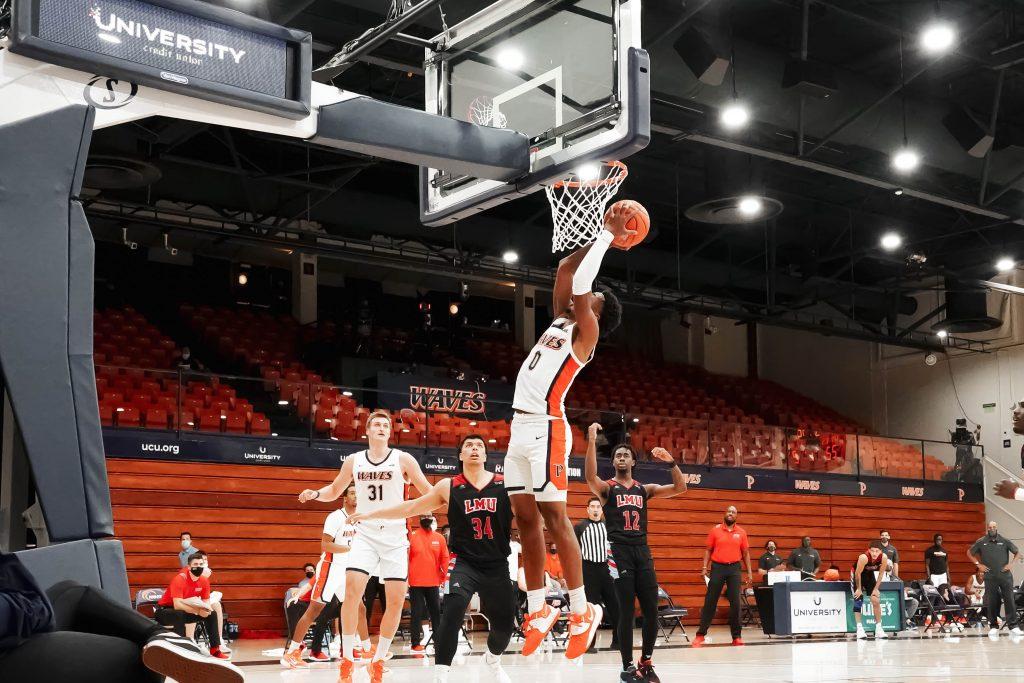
column 415, row 137
column 41, row 168
column 99, row 564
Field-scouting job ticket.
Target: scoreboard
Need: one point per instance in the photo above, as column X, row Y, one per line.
column 184, row 46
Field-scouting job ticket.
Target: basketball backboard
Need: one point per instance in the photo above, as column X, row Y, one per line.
column 569, row 74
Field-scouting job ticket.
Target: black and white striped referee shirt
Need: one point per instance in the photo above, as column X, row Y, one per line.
column 593, row 538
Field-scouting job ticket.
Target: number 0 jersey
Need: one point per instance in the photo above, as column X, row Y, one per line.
column 548, row 372
column 625, row 513
column 379, row 485
column 481, row 523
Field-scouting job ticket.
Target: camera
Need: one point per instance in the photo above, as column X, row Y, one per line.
column 961, row 437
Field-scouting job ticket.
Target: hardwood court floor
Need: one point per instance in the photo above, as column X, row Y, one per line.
column 907, row 659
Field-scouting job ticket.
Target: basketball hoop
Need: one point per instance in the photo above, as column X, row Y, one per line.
column 483, row 113
column 578, row 203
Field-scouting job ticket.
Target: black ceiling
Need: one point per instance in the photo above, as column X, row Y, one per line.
column 838, row 194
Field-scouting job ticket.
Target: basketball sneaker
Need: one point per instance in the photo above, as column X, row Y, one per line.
column 359, row 655
column 536, row 627
column 880, row 632
column 217, row 654
column 377, row 671
column 646, row 669
column 698, row 641
column 583, row 630
column 318, row 656
column 631, row 675
column 293, row 659
column 418, row 651
column 493, row 663
column 346, row 670
column 861, row 633
column 180, row 658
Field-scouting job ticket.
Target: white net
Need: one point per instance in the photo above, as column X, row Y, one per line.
column 578, row 203
column 483, row 113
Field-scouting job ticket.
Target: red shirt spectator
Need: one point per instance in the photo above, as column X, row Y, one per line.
column 727, row 545
column 553, row 564
column 428, row 558
column 185, row 586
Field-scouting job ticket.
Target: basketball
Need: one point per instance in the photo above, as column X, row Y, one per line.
column 639, row 221
column 831, row 574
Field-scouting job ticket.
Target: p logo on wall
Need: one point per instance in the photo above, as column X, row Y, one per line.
column 750, row 481
column 864, row 489
column 109, row 93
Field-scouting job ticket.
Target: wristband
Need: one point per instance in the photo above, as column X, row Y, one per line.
column 1019, row 493
column 605, row 236
column 317, row 492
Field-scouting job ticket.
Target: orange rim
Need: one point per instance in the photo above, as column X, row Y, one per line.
column 618, row 176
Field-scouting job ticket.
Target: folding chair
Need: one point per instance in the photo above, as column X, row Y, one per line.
column 670, row 616
column 147, row 599
column 748, row 610
column 936, row 607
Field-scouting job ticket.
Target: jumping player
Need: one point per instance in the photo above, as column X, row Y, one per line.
column 625, row 510
column 335, row 542
column 380, row 474
column 536, row 465
column 481, row 526
column 870, row 565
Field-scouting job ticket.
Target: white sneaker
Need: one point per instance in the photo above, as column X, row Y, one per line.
column 181, row 659
column 861, row 633
column 880, row 632
column 440, row 675
column 1015, row 631
column 493, row 662
column 993, row 633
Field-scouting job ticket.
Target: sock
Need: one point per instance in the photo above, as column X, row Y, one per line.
column 441, row 670
column 294, row 646
column 367, row 645
column 577, row 600
column 535, row 600
column 348, row 643
column 383, row 645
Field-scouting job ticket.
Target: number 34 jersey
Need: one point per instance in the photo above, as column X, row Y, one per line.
column 481, row 523
column 379, row 485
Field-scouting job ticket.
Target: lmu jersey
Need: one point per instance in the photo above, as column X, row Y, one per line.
column 379, row 485
column 625, row 513
column 548, row 372
column 480, row 523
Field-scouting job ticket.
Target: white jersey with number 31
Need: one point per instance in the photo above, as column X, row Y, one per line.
column 379, row 485
column 548, row 372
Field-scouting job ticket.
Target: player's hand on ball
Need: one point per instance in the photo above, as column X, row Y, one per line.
column 592, row 431
column 615, row 221
column 1007, row 488
column 308, row 495
column 659, row 453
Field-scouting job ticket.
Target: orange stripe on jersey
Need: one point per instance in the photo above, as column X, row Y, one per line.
column 323, row 570
column 558, row 460
column 560, row 386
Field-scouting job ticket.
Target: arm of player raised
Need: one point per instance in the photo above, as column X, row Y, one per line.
column 678, row 484
column 598, row 487
column 411, row 470
column 333, row 490
column 562, row 292
column 434, row 498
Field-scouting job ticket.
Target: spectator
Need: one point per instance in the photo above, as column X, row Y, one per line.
column 187, row 601
column 911, row 602
column 186, row 549
column 804, row 559
column 769, row 561
column 428, row 566
column 513, row 557
column 890, row 551
column 296, row 600
column 727, row 545
column 553, row 564
column 995, row 554
column 975, row 588
column 216, row 602
column 597, row 579
column 936, row 562
column 76, row 633
column 187, row 362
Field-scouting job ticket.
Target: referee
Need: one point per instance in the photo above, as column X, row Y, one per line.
column 597, row 580
column 727, row 545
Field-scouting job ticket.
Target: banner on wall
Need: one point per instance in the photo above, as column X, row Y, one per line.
column 422, row 393
column 283, row 452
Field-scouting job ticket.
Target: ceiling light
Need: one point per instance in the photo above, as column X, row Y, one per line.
column 510, row 256
column 1004, row 264
column 941, row 334
column 750, row 206
column 898, row 191
column 588, row 172
column 636, row 419
column 905, row 160
column 891, row 241
column 472, row 424
column 938, row 37
column 510, row 59
column 283, row 402
column 454, row 309
column 243, row 279
column 735, row 116
column 346, row 393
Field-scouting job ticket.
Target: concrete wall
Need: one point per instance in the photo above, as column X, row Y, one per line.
column 725, row 351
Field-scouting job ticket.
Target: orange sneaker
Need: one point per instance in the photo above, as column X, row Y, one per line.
column 293, row 660
column 698, row 641
column 346, row 670
column 377, row 670
column 418, row 651
column 358, row 655
column 536, row 627
column 583, row 630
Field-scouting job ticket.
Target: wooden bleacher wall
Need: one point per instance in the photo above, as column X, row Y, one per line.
column 248, row 518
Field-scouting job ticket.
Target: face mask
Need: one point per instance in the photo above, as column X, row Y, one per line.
column 186, row 544
column 196, row 571
column 309, row 575
column 727, row 521
column 771, row 549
